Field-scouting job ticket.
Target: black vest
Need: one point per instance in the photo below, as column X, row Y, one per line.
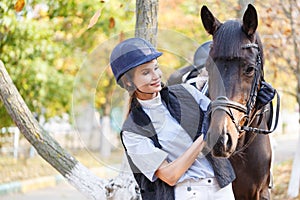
column 188, row 114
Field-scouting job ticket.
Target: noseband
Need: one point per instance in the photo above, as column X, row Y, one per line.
column 226, row 105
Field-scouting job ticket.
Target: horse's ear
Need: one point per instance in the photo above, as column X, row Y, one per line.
column 250, row 21
column 209, row 22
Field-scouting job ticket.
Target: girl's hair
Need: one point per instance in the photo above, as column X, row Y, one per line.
column 126, row 82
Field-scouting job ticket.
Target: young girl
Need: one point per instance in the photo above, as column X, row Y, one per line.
column 163, row 136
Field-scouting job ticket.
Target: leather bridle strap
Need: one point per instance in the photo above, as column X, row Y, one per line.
column 224, row 104
column 223, row 101
column 265, row 131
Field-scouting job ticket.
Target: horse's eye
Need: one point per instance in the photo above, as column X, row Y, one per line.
column 249, row 70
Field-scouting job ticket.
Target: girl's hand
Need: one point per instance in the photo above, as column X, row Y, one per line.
column 171, row 172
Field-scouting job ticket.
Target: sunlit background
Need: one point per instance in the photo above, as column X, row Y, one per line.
column 58, row 57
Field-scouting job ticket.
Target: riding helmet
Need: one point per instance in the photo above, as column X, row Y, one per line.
column 202, row 54
column 131, row 53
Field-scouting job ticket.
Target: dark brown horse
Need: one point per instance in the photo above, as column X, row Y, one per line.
column 235, row 68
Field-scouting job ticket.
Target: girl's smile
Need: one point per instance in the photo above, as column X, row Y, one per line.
column 147, row 80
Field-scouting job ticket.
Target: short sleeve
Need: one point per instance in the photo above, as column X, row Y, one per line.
column 144, row 154
column 201, row 99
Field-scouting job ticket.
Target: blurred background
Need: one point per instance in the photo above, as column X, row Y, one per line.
column 57, row 53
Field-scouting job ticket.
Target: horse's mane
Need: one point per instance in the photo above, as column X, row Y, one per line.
column 228, row 41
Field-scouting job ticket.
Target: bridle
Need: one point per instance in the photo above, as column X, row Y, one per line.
column 250, row 112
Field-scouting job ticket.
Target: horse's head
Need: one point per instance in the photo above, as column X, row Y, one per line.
column 235, row 70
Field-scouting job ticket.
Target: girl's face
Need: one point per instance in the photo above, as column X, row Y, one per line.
column 147, row 79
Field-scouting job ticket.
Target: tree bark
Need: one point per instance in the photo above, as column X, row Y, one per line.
column 146, row 20
column 294, row 183
column 76, row 174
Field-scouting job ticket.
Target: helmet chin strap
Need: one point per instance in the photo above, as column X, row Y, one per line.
column 144, row 92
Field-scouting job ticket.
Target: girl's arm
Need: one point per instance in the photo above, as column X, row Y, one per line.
column 171, row 172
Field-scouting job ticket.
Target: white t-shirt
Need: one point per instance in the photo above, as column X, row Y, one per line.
column 171, row 136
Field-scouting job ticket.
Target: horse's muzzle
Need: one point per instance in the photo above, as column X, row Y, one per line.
column 223, row 147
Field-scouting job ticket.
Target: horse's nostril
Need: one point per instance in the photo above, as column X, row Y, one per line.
column 221, row 140
column 229, row 140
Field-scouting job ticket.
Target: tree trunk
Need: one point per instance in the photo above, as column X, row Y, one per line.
column 105, row 147
column 76, row 174
column 146, row 20
column 294, row 184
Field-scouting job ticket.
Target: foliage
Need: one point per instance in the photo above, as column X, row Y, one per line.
column 280, row 59
column 184, row 17
column 282, row 64
column 44, row 45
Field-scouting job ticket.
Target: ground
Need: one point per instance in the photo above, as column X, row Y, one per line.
column 23, row 169
column 12, row 170
column 282, row 174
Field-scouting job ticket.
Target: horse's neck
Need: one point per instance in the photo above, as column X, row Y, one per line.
column 244, row 140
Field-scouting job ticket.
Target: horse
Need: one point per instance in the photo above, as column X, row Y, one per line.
column 235, row 71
